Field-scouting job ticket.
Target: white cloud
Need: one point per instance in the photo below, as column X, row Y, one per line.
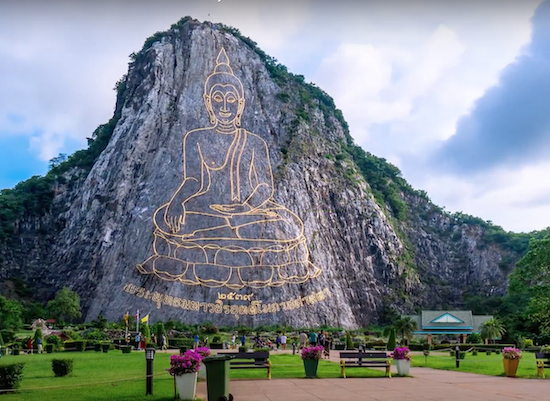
column 516, row 199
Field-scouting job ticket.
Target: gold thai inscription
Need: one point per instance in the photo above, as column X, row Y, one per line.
column 255, row 307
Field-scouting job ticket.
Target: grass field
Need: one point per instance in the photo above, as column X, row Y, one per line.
column 117, row 376
column 481, row 363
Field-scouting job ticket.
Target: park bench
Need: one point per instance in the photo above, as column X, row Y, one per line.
column 250, row 360
column 543, row 361
column 364, row 359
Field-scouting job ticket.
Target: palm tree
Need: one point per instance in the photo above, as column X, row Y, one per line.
column 405, row 326
column 492, row 329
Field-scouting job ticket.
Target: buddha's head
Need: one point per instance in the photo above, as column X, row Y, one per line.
column 223, row 93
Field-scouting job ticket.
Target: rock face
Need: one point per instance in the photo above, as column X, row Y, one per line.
column 305, row 241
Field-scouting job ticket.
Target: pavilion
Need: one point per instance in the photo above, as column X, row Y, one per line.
column 458, row 323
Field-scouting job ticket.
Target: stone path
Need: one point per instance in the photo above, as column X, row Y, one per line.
column 426, row 385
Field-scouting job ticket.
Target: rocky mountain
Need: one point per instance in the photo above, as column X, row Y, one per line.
column 226, row 189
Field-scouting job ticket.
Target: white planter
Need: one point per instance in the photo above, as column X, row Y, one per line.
column 403, row 366
column 186, row 385
column 202, row 371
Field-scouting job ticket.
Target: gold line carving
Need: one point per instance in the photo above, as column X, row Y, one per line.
column 222, row 228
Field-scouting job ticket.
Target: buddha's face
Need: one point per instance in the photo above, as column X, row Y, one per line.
column 225, row 102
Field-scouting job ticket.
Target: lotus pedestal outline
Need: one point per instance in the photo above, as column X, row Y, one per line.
column 510, row 367
column 186, row 385
column 402, row 366
column 310, row 367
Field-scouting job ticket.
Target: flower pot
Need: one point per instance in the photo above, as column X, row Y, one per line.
column 186, row 385
column 510, row 367
column 310, row 367
column 402, row 366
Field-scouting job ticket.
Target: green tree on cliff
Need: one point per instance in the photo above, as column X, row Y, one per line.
column 10, row 314
column 532, row 278
column 65, row 307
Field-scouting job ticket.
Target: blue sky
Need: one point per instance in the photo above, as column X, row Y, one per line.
column 454, row 93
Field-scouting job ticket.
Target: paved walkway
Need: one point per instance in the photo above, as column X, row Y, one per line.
column 426, row 385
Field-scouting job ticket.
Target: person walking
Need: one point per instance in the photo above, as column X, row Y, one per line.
column 283, row 341
column 137, row 339
column 313, row 339
column 277, row 341
column 243, row 340
column 233, row 340
column 303, row 339
column 196, row 341
column 39, row 345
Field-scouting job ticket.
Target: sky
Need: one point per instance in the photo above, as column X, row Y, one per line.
column 454, row 93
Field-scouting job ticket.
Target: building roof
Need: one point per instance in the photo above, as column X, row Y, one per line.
column 448, row 322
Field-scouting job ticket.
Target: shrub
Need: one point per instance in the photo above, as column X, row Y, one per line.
column 242, row 348
column 54, row 340
column 462, row 355
column 528, row 342
column 349, row 342
column 126, row 349
column 216, row 339
column 62, row 367
column 80, row 345
column 49, row 348
column 10, row 376
column 474, row 352
column 487, row 352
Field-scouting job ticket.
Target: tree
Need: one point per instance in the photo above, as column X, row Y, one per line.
column 10, row 314
column 492, row 329
column 391, row 340
column 405, row 326
column 531, row 278
column 65, row 307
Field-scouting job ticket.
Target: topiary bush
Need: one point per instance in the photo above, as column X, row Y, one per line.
column 10, row 376
column 462, row 355
column 62, row 367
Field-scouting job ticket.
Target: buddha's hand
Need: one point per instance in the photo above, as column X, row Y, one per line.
column 235, row 208
column 173, row 218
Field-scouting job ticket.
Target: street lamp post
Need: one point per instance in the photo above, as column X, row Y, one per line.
column 149, row 357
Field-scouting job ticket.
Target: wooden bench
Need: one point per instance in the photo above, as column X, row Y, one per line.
column 543, row 361
column 250, row 360
column 365, row 359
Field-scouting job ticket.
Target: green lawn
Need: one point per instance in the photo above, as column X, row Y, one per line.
column 117, row 376
column 481, row 363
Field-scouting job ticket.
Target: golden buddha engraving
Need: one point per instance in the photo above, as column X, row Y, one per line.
column 221, row 228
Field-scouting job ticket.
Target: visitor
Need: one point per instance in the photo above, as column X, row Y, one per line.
column 195, row 341
column 164, row 342
column 283, row 341
column 243, row 340
column 206, row 341
column 313, row 339
column 143, row 344
column 321, row 339
column 153, row 339
column 303, row 339
column 29, row 346
column 233, row 340
column 277, row 341
column 39, row 345
column 137, row 340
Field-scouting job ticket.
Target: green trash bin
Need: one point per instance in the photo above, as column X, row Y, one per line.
column 217, row 376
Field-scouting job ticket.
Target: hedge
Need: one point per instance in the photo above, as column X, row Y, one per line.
column 62, row 367
column 10, row 376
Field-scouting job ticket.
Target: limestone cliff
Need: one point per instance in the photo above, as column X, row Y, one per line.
column 373, row 250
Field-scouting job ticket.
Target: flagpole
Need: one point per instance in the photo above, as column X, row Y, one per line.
column 137, row 321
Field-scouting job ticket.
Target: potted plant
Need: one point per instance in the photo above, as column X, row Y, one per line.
column 402, row 359
column 511, row 357
column 204, row 353
column 184, row 368
column 311, row 356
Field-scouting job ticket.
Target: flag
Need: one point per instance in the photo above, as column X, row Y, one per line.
column 126, row 316
column 145, row 319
